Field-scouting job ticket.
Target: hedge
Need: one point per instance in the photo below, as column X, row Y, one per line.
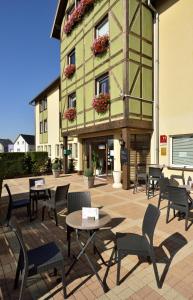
column 18, row 164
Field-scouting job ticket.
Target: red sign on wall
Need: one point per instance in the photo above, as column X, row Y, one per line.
column 163, row 139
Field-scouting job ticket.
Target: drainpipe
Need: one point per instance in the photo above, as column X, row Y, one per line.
column 156, row 81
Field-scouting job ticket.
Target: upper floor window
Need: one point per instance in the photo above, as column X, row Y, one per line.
column 102, row 84
column 102, row 28
column 43, row 105
column 70, row 10
column 72, row 58
column 181, row 150
column 41, row 127
column 72, row 100
column 45, row 125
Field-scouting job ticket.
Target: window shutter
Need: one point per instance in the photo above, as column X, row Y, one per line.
column 182, row 151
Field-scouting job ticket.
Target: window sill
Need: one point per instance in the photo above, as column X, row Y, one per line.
column 180, row 168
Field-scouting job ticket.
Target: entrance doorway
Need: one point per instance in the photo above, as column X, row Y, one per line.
column 98, row 154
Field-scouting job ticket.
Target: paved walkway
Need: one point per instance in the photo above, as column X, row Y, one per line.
column 174, row 248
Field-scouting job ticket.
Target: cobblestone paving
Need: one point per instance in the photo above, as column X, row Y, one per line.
column 174, row 249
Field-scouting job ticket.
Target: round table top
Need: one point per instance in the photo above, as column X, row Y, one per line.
column 75, row 220
column 42, row 187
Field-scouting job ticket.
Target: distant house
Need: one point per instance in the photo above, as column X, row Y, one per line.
column 24, row 143
column 5, row 144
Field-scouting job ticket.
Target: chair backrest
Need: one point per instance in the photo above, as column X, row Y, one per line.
column 175, row 179
column 61, row 193
column 9, row 193
column 149, row 222
column 33, row 180
column 164, row 182
column 178, row 196
column 155, row 172
column 77, row 200
column 23, row 251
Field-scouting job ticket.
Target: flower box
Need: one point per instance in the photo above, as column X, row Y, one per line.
column 77, row 15
column 101, row 103
column 100, row 45
column 69, row 71
column 70, row 114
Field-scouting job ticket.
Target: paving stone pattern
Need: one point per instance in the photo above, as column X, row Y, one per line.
column 173, row 247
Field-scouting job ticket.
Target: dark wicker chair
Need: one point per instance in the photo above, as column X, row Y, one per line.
column 140, row 245
column 140, row 176
column 180, row 200
column 154, row 175
column 58, row 200
column 15, row 204
column 163, row 183
column 76, row 201
column 37, row 260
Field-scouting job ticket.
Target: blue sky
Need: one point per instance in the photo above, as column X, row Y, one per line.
column 29, row 61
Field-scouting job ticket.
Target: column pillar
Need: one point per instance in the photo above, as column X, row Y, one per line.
column 117, row 148
column 65, row 157
column 126, row 161
column 80, row 157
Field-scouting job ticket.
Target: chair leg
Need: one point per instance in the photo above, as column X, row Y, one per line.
column 155, row 271
column 159, row 201
column 168, row 213
column 18, row 271
column 56, row 216
column 43, row 212
column 64, row 283
column 68, row 239
column 186, row 222
column 118, row 266
column 23, row 284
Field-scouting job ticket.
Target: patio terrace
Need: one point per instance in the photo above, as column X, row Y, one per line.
column 127, row 211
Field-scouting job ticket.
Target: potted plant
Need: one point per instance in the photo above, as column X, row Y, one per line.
column 69, row 70
column 56, row 168
column 117, row 180
column 70, row 114
column 100, row 45
column 89, row 177
column 101, row 103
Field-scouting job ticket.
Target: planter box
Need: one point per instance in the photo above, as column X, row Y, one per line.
column 56, row 173
column 89, row 181
column 117, row 180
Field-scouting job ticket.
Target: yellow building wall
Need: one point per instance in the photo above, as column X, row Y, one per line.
column 175, row 73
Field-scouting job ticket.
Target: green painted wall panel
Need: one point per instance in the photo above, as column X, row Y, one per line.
column 147, row 23
column 116, row 81
column 99, row 117
column 147, row 109
column 147, row 49
column 136, row 89
column 147, row 61
column 89, row 65
column 80, row 119
column 89, row 93
column 132, row 8
column 134, row 106
column 134, row 43
column 88, row 40
column 117, row 107
column 89, row 116
column 79, row 72
column 132, row 72
column 79, row 99
column 116, row 45
column 147, row 83
column 136, row 24
column 134, row 56
column 79, row 53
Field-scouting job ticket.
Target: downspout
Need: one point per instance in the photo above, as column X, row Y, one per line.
column 156, row 82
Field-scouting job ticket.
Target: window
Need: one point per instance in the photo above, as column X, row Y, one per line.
column 102, row 28
column 182, row 150
column 70, row 10
column 49, row 150
column 41, row 127
column 18, row 143
column 45, row 126
column 102, row 84
column 72, row 58
column 43, row 105
column 72, row 100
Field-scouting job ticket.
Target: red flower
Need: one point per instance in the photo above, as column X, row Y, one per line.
column 70, row 114
column 69, row 70
column 77, row 15
column 101, row 103
column 100, row 45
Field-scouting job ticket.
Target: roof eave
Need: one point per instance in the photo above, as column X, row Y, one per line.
column 61, row 7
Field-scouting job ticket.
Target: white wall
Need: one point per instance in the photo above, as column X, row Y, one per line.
column 21, row 146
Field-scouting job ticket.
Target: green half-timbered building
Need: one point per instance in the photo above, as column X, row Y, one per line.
column 119, row 136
